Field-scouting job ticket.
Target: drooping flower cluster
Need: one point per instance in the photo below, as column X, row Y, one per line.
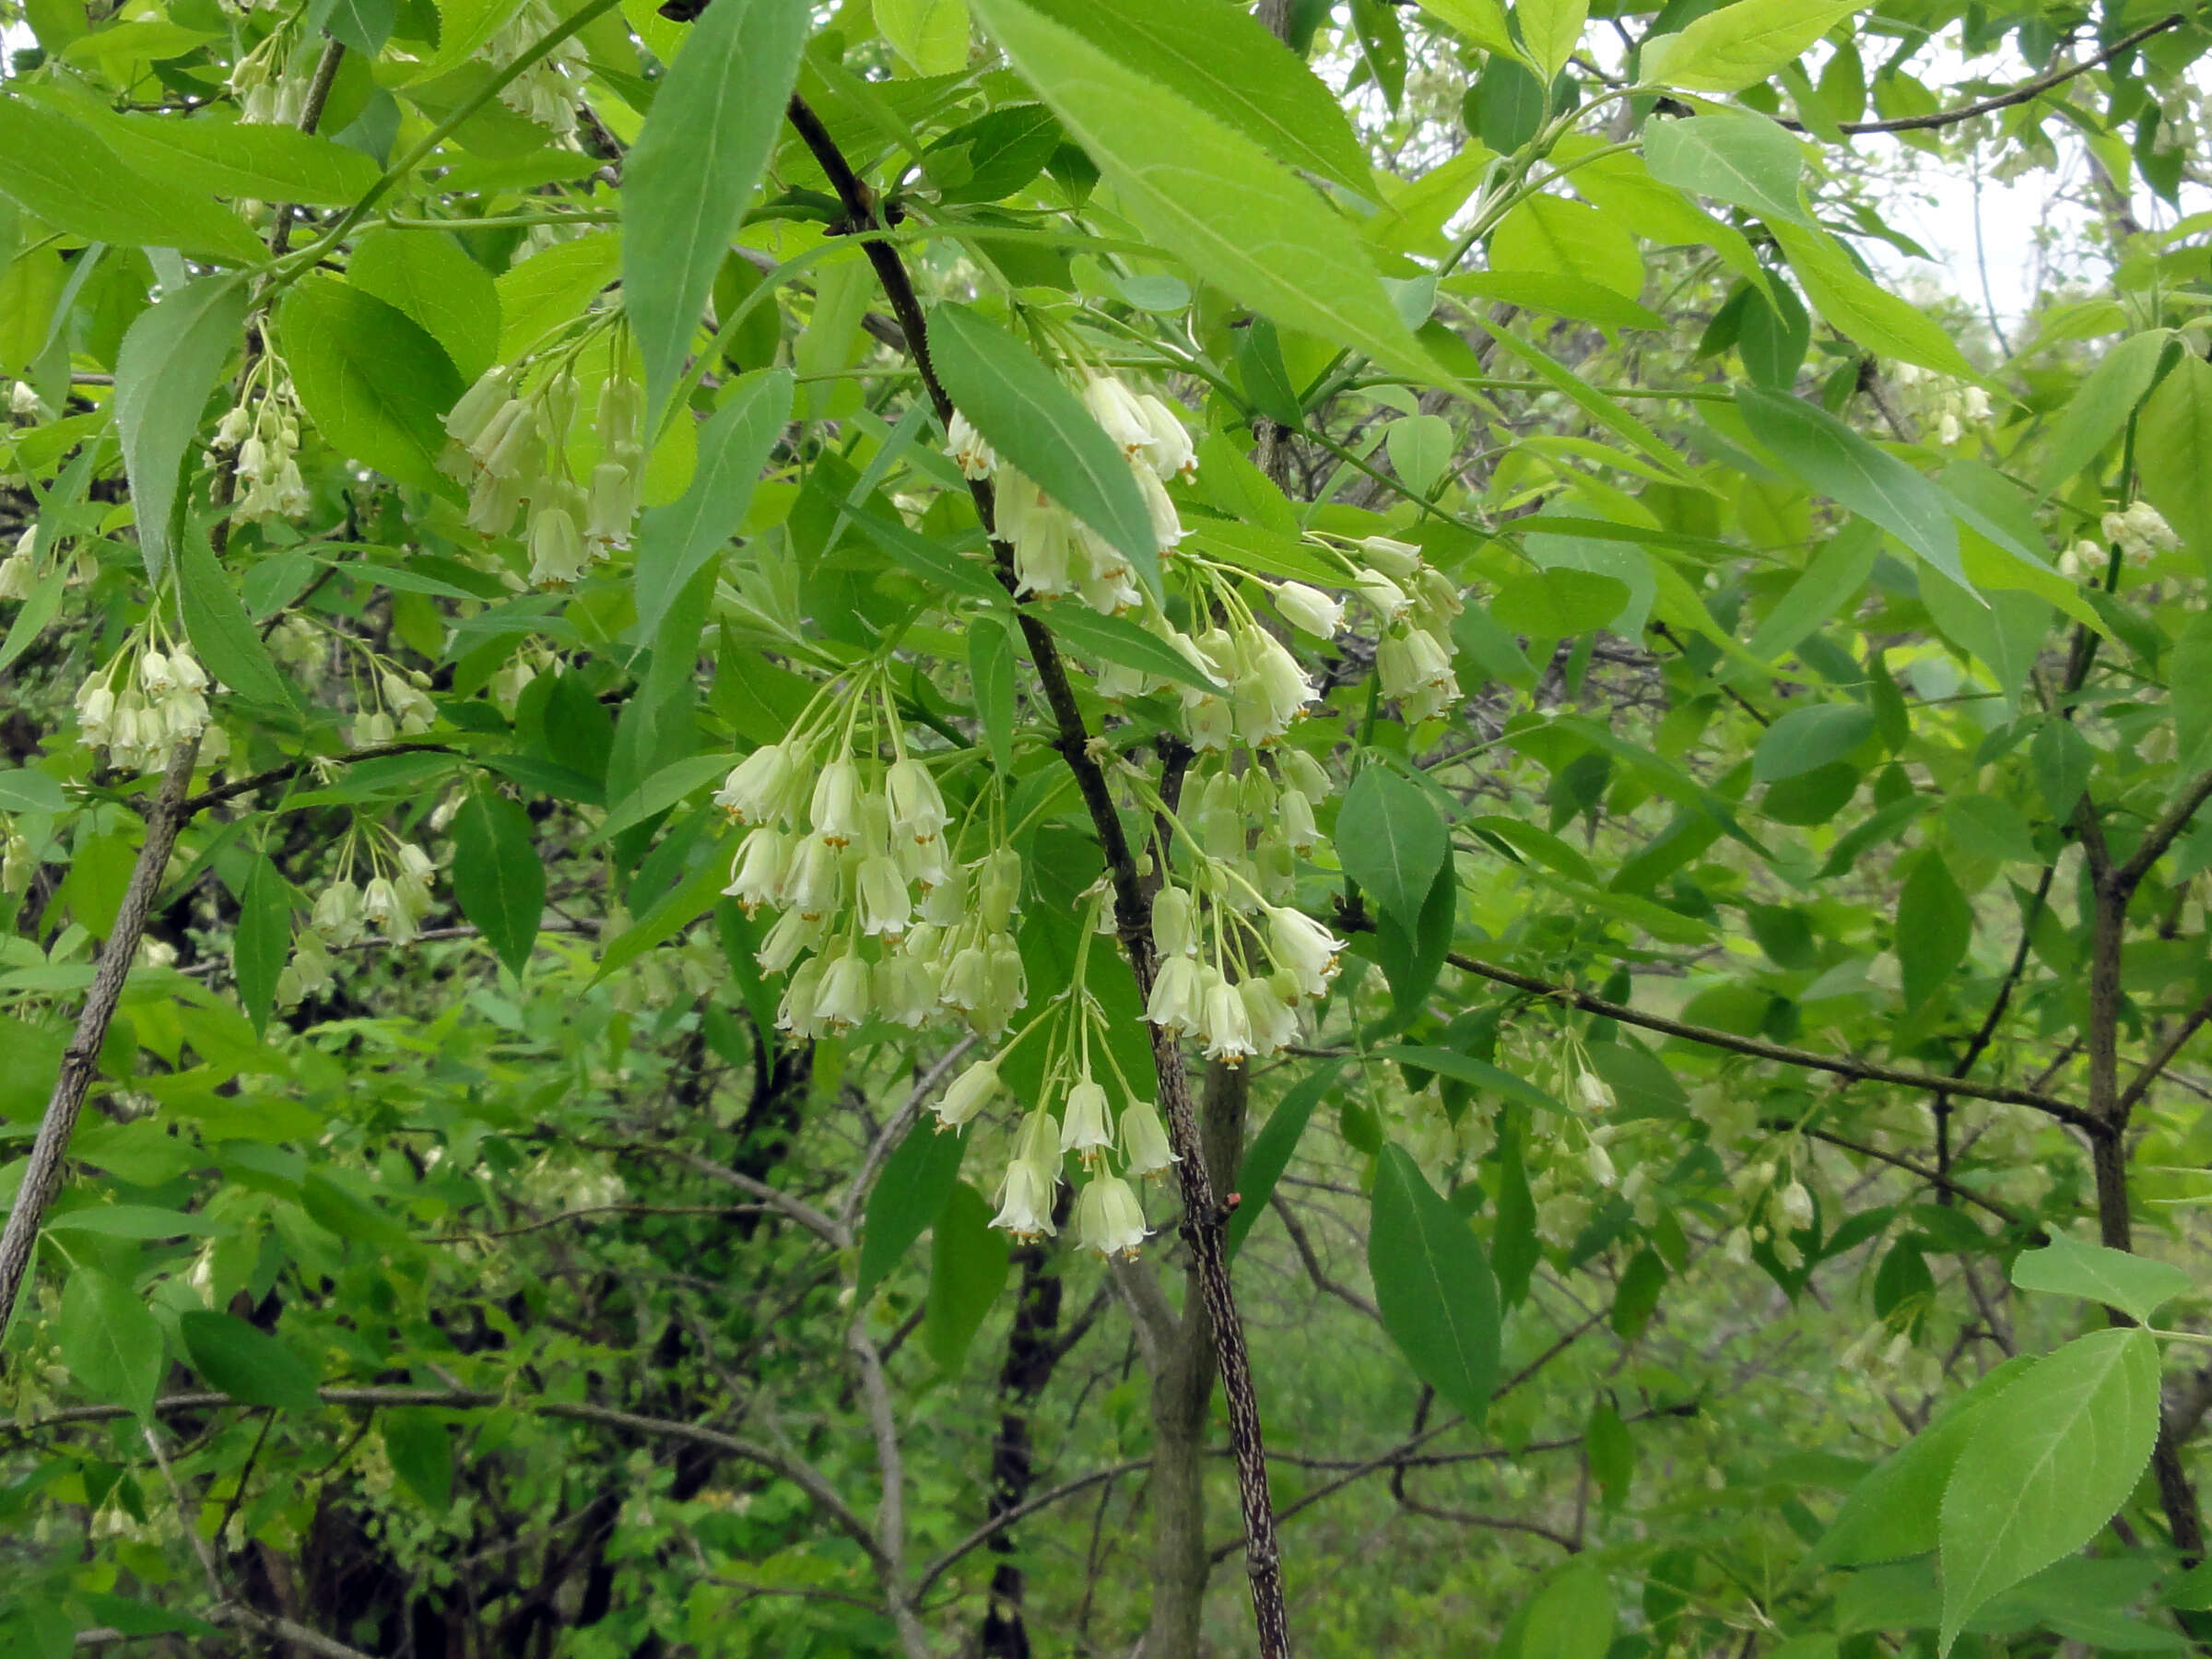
column 849, row 844
column 1780, row 1206
column 1945, row 407
column 264, row 430
column 1111, row 1147
column 18, row 570
column 549, row 92
column 1055, row 552
column 151, row 697
column 2140, row 532
column 392, row 898
column 271, row 81
column 509, row 444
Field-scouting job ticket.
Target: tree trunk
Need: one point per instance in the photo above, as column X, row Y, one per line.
column 1182, row 1389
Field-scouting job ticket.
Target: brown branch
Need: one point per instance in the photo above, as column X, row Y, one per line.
column 1864, row 1071
column 803, row 1476
column 42, row 1176
column 2003, row 1212
column 998, row 1524
column 1205, row 1220
column 2005, row 101
column 2158, row 1062
column 2162, row 834
column 293, row 769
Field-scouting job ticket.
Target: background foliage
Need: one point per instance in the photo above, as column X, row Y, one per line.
column 1373, row 641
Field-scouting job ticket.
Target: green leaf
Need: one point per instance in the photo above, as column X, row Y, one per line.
column 1743, row 159
column 496, row 875
column 1420, row 451
column 1551, row 29
column 552, row 285
column 1550, row 235
column 263, row 938
column 249, row 1365
column 2048, row 1464
column 2135, row 1285
column 1934, row 925
column 1810, row 737
column 1392, row 841
column 1837, row 571
column 689, row 177
column 1031, row 417
column 168, row 363
column 1741, row 45
column 692, row 898
column 674, row 541
column 375, row 383
column 673, row 782
column 2173, row 452
column 1271, row 1150
column 1611, row 1453
column 363, row 26
column 1211, row 195
column 424, row 275
column 131, row 1221
column 250, row 160
column 1891, row 1512
column 62, row 173
column 1434, row 1286
column 421, row 1449
column 1559, row 602
column 1481, row 22
column 109, row 1342
column 216, row 623
column 23, row 790
column 1229, row 64
column 931, row 561
column 1594, row 403
column 1118, row 640
column 1837, row 462
column 967, row 1264
column 909, row 1194
column 1466, row 1068
column 1411, row 958
column 931, row 35
column 2100, row 405
column 2062, row 761
column 991, row 669
column 1870, row 314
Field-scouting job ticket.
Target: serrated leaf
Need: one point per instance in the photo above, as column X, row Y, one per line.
column 967, row 1268
column 1550, row 29
column 167, row 365
column 377, row 385
column 425, row 276
column 421, row 1449
column 1227, row 64
column 674, row 541
column 62, row 173
column 931, row 35
column 215, row 620
column 689, row 177
column 263, row 938
column 498, row 876
column 1118, row 640
column 249, row 1365
column 2173, row 452
column 1810, row 737
column 109, row 1342
column 1859, row 307
column 1934, row 925
column 909, row 1194
column 1837, row 462
column 1029, row 414
column 1208, row 194
column 1392, row 841
column 2135, row 1285
column 1744, row 160
column 1270, row 1153
column 1891, row 1512
column 2100, row 405
column 1741, row 45
column 1433, row 1286
column 2047, row 1465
